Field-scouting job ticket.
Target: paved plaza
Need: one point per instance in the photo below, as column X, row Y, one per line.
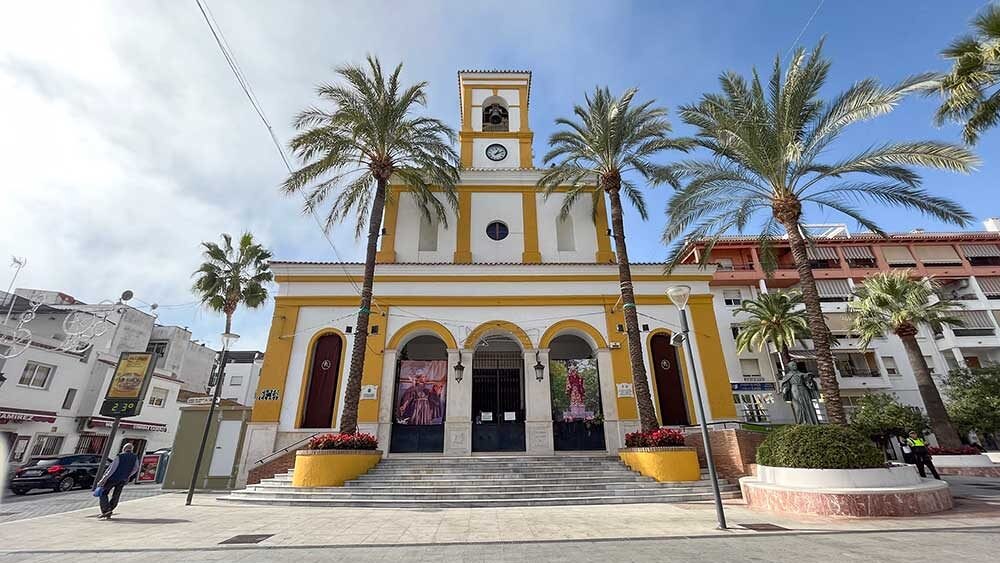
column 161, row 527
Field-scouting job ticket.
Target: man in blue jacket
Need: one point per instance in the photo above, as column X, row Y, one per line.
column 121, row 471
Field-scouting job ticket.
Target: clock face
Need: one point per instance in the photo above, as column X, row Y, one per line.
column 496, row 152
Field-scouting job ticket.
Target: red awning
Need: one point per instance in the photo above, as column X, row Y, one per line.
column 100, row 421
column 10, row 414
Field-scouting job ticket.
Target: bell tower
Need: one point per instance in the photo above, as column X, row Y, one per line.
column 495, row 132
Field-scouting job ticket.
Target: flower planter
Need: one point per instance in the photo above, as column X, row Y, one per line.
column 979, row 465
column 663, row 464
column 896, row 490
column 331, row 468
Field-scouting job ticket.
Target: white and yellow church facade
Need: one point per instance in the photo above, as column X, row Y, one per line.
column 501, row 333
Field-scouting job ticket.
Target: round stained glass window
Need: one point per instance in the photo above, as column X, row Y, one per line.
column 497, row 230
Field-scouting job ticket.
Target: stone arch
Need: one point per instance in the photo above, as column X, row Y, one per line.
column 493, row 327
column 418, row 328
column 308, row 368
column 572, row 326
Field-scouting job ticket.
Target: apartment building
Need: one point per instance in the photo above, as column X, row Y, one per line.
column 965, row 264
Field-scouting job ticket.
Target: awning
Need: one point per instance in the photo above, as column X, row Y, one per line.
column 10, row 414
column 939, row 254
column 990, row 286
column 898, row 256
column 857, row 253
column 839, row 322
column 101, row 422
column 981, row 250
column 821, row 253
column 973, row 319
column 833, row 288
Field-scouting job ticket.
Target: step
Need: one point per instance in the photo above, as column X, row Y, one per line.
column 480, row 503
column 443, row 493
column 486, row 489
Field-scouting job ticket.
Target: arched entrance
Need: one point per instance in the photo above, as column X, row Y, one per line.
column 577, row 415
column 418, row 407
column 497, row 395
column 667, row 376
column 324, row 371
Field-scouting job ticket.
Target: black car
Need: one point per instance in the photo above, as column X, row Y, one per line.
column 59, row 473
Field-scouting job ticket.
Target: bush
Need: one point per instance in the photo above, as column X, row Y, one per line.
column 658, row 438
column 341, row 441
column 819, row 447
column 963, row 450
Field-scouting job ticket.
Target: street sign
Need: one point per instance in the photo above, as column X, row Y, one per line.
column 128, row 385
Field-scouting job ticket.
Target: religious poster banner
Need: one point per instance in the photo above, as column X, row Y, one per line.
column 576, row 389
column 420, row 392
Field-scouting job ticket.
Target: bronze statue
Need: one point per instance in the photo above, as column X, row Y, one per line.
column 800, row 390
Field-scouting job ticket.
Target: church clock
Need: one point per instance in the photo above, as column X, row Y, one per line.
column 496, row 152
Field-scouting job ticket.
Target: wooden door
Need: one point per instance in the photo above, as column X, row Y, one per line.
column 667, row 375
column 323, row 383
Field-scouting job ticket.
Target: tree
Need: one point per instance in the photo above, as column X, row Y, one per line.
column 609, row 141
column 881, row 417
column 233, row 276
column 352, row 150
column 895, row 302
column 769, row 148
column 974, row 399
column 975, row 71
column 775, row 318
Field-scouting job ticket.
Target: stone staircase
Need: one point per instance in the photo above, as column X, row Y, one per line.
column 450, row 482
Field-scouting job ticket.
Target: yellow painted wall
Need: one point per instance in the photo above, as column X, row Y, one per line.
column 372, row 374
column 387, row 252
column 718, row 390
column 627, row 407
column 274, row 372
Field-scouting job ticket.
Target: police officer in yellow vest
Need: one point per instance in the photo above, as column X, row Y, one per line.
column 922, row 457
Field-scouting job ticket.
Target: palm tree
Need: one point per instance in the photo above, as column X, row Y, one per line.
column 369, row 136
column 233, row 276
column 768, row 146
column 775, row 318
column 895, row 302
column 609, row 141
column 974, row 72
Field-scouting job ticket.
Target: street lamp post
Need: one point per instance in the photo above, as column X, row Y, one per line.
column 678, row 295
column 228, row 338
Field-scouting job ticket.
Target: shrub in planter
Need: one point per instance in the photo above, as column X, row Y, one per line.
column 963, row 450
column 658, row 438
column 340, row 441
column 819, row 447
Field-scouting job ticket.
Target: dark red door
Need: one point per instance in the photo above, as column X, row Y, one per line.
column 323, row 383
column 666, row 372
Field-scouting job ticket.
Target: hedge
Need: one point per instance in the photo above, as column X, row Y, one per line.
column 819, row 447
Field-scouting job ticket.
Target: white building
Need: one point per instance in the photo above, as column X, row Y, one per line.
column 505, row 287
column 51, row 397
column 241, row 376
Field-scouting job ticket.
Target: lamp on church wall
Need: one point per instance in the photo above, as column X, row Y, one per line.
column 539, row 368
column 459, row 370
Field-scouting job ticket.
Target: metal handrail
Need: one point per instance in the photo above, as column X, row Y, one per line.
column 284, row 450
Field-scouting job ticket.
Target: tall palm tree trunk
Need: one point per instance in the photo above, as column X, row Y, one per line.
column 647, row 415
column 349, row 418
column 786, row 358
column 814, row 313
column 941, row 425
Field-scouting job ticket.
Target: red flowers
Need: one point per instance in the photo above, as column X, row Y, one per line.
column 659, row 438
column 963, row 450
column 341, row 441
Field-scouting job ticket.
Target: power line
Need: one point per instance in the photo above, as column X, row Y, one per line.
column 220, row 40
column 804, row 27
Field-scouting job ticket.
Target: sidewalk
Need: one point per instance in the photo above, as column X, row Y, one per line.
column 163, row 523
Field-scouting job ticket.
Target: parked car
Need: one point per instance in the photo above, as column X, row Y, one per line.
column 59, row 473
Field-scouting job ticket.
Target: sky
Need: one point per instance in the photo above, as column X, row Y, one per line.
column 125, row 140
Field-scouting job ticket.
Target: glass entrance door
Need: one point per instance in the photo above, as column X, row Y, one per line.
column 498, row 401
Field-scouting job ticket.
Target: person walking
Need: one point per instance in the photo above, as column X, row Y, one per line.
column 121, row 471
column 921, row 456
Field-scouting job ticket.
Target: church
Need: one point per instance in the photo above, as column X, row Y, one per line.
column 501, row 333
